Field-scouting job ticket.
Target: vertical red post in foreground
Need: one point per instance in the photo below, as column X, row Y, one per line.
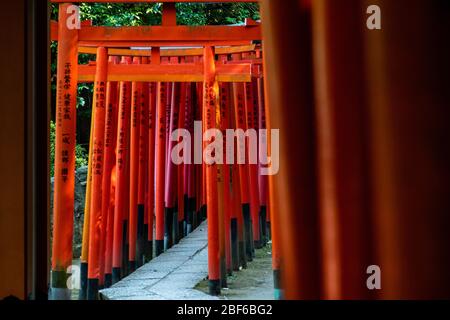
column 294, row 188
column 273, row 207
column 210, row 105
column 95, row 224
column 272, row 201
column 63, row 197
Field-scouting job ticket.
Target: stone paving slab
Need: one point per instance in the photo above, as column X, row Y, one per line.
column 170, row 276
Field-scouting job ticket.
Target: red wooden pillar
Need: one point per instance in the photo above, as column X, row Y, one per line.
column 203, row 204
column 263, row 179
column 136, row 91
column 189, row 171
column 151, row 168
column 180, row 168
column 221, row 204
column 143, row 249
column 198, row 194
column 153, row 145
column 110, row 229
column 110, row 140
column 290, row 100
column 169, row 18
column 171, row 214
column 345, row 213
column 241, row 124
column 225, row 227
column 96, row 223
column 63, row 198
column 122, row 155
column 252, row 125
column 239, row 257
column 126, row 212
column 160, row 162
column 210, row 106
column 273, row 207
column 87, row 208
column 221, row 224
column 237, row 223
column 199, row 174
column 225, row 124
column 408, row 101
column 168, row 197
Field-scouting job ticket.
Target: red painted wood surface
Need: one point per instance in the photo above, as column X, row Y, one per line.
column 210, row 105
column 96, row 223
column 120, row 206
column 63, row 198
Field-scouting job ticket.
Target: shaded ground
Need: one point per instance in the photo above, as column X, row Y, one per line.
column 170, row 276
column 253, row 283
column 181, row 273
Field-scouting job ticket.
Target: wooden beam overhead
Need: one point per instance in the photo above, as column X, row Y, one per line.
column 128, row 44
column 169, row 52
column 174, row 34
column 167, row 73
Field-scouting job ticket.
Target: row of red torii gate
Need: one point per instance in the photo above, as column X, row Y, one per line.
column 139, row 202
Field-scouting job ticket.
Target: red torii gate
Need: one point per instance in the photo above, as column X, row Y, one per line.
column 69, row 73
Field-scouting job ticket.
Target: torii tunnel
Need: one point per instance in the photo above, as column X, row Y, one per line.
column 319, row 132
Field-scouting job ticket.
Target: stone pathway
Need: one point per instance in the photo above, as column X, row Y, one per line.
column 171, row 276
column 181, row 274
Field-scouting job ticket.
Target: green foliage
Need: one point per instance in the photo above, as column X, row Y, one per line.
column 216, row 13
column 81, row 156
column 121, row 14
column 136, row 14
